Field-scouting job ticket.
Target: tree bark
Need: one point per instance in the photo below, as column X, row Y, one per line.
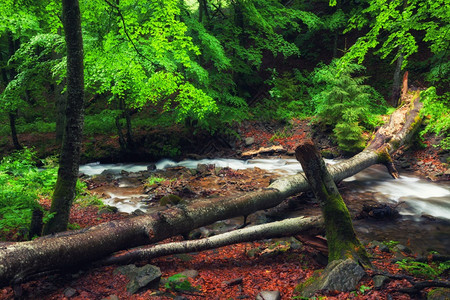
column 70, row 152
column 341, row 237
column 74, row 248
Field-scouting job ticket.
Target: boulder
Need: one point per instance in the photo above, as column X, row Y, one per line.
column 341, row 275
column 249, row 141
column 147, row 276
column 268, row 295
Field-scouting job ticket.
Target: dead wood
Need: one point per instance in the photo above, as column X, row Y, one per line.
column 288, row 227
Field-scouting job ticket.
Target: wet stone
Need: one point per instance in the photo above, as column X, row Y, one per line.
column 269, row 295
column 379, row 280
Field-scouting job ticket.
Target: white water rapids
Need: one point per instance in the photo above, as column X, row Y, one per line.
column 419, row 196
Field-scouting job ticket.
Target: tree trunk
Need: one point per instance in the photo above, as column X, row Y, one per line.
column 70, row 152
column 75, row 248
column 12, row 125
column 396, row 88
column 341, row 237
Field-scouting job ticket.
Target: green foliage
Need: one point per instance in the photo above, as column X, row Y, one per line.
column 154, row 179
column 22, row 183
column 391, row 244
column 180, row 283
column 429, row 271
column 392, row 28
column 364, row 288
column 437, row 109
column 345, row 103
column 103, row 122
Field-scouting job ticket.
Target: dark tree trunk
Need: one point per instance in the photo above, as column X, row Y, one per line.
column 12, row 124
column 60, row 107
column 396, row 84
column 70, row 152
column 341, row 237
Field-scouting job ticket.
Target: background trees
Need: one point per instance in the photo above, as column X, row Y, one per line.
column 208, row 64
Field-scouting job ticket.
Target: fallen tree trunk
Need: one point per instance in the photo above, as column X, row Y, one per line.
column 288, row 227
column 66, row 249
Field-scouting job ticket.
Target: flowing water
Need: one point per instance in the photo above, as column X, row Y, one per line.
column 424, row 206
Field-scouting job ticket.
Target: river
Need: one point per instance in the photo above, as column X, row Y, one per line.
column 424, row 206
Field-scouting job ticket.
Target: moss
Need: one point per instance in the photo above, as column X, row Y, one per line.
column 342, row 241
column 170, row 199
column 383, row 156
column 299, row 288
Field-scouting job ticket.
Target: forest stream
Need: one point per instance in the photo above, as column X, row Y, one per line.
column 423, row 206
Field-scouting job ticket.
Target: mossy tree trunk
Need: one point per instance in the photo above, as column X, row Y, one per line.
column 341, row 237
column 71, row 146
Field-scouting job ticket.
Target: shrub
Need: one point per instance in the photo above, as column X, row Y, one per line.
column 345, row 103
column 437, row 108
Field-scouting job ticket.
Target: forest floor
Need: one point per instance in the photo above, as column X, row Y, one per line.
column 242, row 270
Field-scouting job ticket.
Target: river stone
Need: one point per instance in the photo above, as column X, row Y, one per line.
column 268, row 295
column 379, row 280
column 341, row 275
column 111, row 297
column 146, row 276
column 189, row 273
column 249, row 141
column 70, row 292
column 439, row 294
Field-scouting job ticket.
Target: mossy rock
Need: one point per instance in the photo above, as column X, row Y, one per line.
column 341, row 275
column 171, row 200
column 439, row 294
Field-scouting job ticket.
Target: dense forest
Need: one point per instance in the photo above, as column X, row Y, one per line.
column 138, row 81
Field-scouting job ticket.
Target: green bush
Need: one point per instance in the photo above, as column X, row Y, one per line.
column 22, row 184
column 437, row 108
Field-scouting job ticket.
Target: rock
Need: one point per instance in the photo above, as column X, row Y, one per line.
column 402, row 248
column 107, row 210
column 381, row 246
column 341, row 275
column 205, row 169
column 249, row 141
column 138, row 212
column 379, row 280
column 151, row 167
column 268, row 295
column 147, row 276
column 189, row 273
column 439, row 294
column 170, row 199
column 111, row 297
column 180, row 298
column 70, row 292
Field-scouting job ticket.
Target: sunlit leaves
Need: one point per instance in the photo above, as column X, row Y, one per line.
column 394, row 24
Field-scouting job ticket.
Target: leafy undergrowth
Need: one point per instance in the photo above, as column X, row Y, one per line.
column 274, row 270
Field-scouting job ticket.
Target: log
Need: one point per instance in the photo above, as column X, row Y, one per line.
column 288, row 227
column 19, row 260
